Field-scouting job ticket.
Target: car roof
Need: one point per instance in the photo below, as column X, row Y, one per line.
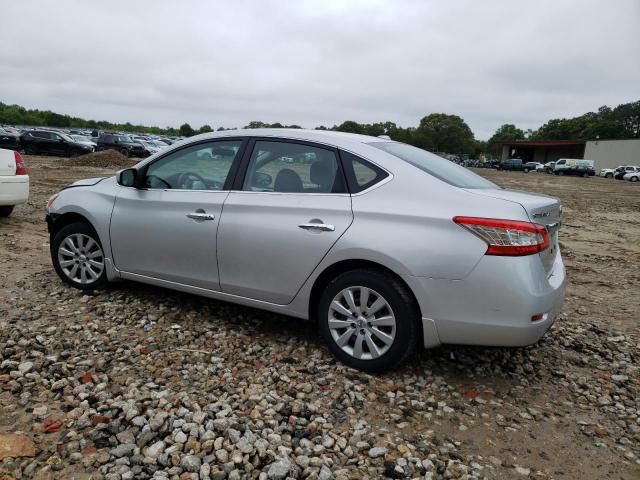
column 323, row 136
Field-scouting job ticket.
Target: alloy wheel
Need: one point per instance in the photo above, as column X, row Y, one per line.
column 362, row 323
column 81, row 258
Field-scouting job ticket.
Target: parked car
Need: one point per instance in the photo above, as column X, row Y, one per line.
column 14, row 181
column 530, row 167
column 9, row 140
column 511, row 164
column 540, row 167
column 633, row 176
column 574, row 166
column 84, row 140
column 622, row 170
column 548, row 167
column 122, row 143
column 35, row 142
column 607, row 172
column 383, row 244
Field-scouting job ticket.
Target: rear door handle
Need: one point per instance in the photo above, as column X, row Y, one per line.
column 200, row 216
column 321, row 227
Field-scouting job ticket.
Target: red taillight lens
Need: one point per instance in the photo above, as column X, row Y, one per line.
column 507, row 237
column 21, row 168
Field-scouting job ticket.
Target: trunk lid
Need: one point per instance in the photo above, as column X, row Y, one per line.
column 542, row 209
column 7, row 162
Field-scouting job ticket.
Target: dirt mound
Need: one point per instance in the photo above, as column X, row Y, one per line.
column 102, row 159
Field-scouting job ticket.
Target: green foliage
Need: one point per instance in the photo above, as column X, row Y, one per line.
column 185, row 130
column 606, row 124
column 508, row 131
column 440, row 132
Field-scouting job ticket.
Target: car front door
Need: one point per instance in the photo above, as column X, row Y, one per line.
column 288, row 208
column 166, row 228
column 58, row 144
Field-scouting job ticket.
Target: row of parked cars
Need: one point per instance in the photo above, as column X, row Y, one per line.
column 623, row 172
column 38, row 141
column 562, row 166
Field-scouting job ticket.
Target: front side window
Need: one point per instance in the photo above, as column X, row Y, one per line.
column 439, row 167
column 278, row 166
column 204, row 166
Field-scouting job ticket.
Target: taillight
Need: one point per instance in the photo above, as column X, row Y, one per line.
column 507, row 237
column 21, row 168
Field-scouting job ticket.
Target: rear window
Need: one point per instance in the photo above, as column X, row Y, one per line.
column 439, row 167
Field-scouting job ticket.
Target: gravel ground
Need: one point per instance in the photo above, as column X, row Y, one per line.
column 137, row 382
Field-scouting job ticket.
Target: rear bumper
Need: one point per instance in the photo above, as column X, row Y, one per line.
column 493, row 305
column 14, row 189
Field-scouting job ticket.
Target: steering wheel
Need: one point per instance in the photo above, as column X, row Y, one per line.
column 190, row 177
column 157, row 179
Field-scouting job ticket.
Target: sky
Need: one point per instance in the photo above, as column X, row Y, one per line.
column 311, row 63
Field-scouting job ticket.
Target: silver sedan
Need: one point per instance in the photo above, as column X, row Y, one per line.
column 385, row 246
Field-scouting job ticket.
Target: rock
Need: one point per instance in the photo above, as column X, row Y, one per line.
column 279, row 470
column 14, row 445
column 155, row 449
column 376, row 452
column 191, row 463
column 25, row 367
column 123, row 450
column 523, row 471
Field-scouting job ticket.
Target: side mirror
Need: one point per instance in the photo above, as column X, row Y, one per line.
column 127, row 177
column 261, row 179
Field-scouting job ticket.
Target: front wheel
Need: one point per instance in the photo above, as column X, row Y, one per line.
column 78, row 258
column 6, row 210
column 634, row 179
column 609, row 175
column 368, row 320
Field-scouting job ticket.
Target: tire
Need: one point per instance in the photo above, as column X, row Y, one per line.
column 633, row 179
column 5, row 210
column 585, row 174
column 30, row 150
column 608, row 175
column 77, row 251
column 124, row 152
column 394, row 343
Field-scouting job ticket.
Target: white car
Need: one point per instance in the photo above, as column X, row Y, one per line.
column 607, row 172
column 14, row 181
column 633, row 176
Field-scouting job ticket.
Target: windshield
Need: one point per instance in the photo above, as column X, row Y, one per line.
column 439, row 167
column 124, row 139
column 65, row 136
column 80, row 138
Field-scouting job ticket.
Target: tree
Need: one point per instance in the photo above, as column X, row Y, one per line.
column 508, row 131
column 440, row 132
column 205, row 129
column 185, row 130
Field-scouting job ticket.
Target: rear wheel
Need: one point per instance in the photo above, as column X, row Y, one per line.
column 78, row 258
column 124, row 152
column 526, row 170
column 6, row 210
column 368, row 320
column 30, row 150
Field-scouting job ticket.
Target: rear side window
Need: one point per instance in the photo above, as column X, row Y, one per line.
column 361, row 174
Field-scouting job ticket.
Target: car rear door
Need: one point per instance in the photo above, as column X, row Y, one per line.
column 166, row 228
column 287, row 209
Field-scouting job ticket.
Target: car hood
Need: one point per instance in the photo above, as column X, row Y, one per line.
column 86, row 182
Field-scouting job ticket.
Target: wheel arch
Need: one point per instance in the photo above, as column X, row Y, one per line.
column 342, row 266
column 60, row 221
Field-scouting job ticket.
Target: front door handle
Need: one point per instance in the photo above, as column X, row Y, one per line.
column 200, row 216
column 320, row 227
